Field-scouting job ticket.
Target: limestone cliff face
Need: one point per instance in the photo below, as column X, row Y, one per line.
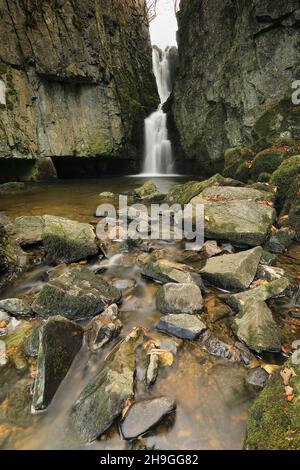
column 75, row 78
column 237, row 62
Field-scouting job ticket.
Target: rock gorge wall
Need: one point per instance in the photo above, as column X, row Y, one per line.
column 75, row 81
column 237, row 62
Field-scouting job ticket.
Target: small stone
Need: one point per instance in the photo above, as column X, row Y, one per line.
column 179, row 298
column 152, row 370
column 257, row 379
column 147, row 189
column 104, row 328
column 183, row 326
column 124, row 284
column 15, row 307
column 152, row 413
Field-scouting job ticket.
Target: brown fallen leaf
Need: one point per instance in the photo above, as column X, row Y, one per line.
column 270, row 368
column 128, row 404
column 165, row 356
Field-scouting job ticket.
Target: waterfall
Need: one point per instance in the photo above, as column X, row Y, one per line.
column 158, row 148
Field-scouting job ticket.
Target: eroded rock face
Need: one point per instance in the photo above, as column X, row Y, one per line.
column 77, row 295
column 66, row 93
column 235, row 271
column 236, row 65
column 103, row 399
column 59, row 342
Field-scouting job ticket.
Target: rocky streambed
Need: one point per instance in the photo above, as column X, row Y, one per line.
column 143, row 344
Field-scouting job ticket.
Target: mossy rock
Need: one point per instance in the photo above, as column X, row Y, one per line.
column 264, row 177
column 184, row 193
column 274, row 422
column 243, row 173
column 278, row 118
column 294, row 220
column 287, row 180
column 234, row 159
column 267, row 162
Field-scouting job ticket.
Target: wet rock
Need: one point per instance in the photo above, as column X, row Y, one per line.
column 269, row 273
column 32, row 344
column 152, row 370
column 257, row 379
column 59, row 342
column 104, row 398
column 4, row 316
column 235, row 271
column 78, row 295
column 268, row 258
column 215, row 309
column 104, row 328
column 15, row 341
column 148, row 189
column 29, row 229
column 15, row 409
column 152, row 411
column 3, row 356
column 243, row 222
column 124, row 284
column 164, row 271
column 67, row 241
column 281, row 240
column 255, row 326
column 170, row 343
column 183, row 326
column 16, row 307
column 232, row 352
column 261, row 293
column 179, row 298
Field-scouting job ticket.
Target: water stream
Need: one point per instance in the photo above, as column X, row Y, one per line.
column 158, row 147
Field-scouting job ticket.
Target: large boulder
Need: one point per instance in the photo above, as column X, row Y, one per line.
column 183, row 326
column 59, row 342
column 77, row 295
column 235, row 271
column 104, row 398
column 255, row 326
column 28, row 229
column 245, row 222
column 164, row 271
column 274, row 421
column 66, row 241
column 179, row 298
column 152, row 413
column 15, row 307
column 221, row 193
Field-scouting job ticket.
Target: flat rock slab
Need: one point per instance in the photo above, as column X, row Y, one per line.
column 104, row 398
column 235, row 271
column 256, row 327
column 59, row 342
column 183, row 326
column 231, row 193
column 144, row 415
column 29, row 229
column 244, row 222
column 66, row 241
column 78, row 295
column 179, row 298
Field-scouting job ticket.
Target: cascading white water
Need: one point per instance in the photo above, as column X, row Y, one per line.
column 158, row 148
